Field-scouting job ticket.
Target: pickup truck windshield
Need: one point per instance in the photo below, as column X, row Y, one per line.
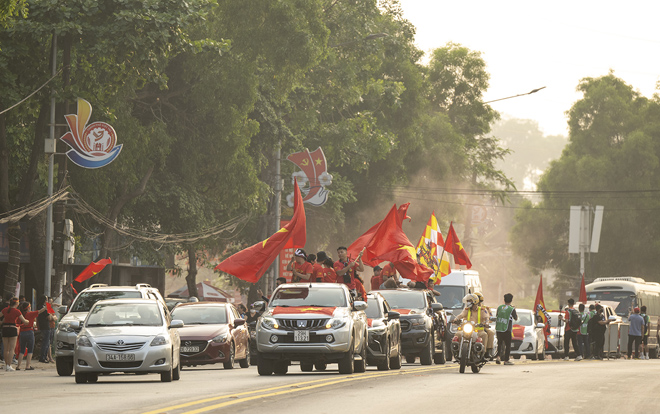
column 405, row 300
column 303, row 296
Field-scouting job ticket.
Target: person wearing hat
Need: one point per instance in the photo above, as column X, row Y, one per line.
column 300, row 267
column 635, row 333
column 376, row 279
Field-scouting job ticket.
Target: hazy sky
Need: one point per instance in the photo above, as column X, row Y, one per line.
column 528, row 44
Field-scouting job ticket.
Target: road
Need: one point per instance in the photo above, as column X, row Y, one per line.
column 615, row 386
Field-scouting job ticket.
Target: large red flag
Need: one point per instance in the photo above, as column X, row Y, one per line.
column 454, row 247
column 583, row 291
column 92, row 269
column 540, row 310
column 356, row 247
column 251, row 263
column 390, row 243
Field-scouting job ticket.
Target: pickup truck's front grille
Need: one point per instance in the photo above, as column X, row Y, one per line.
column 310, row 324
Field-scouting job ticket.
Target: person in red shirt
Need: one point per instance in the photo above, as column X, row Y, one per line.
column 10, row 318
column 300, row 267
column 376, row 279
column 317, row 268
column 26, row 338
column 329, row 274
column 359, row 287
column 347, row 270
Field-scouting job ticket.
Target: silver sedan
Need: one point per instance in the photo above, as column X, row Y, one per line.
column 129, row 336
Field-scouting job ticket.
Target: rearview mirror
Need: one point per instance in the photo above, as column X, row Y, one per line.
column 259, row 305
column 612, row 318
column 239, row 321
column 437, row 307
column 176, row 323
column 393, row 315
column 75, row 325
column 360, row 305
column 62, row 310
column 540, row 325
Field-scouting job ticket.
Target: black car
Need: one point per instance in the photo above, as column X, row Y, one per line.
column 423, row 325
column 384, row 331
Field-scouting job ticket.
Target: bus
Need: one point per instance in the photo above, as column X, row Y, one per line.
column 625, row 293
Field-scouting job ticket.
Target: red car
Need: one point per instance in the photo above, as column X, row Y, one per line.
column 213, row 332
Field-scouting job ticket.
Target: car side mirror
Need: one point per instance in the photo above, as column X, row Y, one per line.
column 612, row 318
column 176, row 323
column 393, row 315
column 437, row 307
column 74, row 325
column 239, row 321
column 359, row 305
column 62, row 310
column 540, row 325
column 259, row 305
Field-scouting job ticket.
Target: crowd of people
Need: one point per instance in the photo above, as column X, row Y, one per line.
column 18, row 332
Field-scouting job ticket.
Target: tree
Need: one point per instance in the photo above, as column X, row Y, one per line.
column 612, row 160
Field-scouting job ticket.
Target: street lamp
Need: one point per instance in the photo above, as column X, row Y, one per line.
column 369, row 37
column 515, row 96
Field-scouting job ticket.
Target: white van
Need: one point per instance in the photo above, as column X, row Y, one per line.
column 455, row 286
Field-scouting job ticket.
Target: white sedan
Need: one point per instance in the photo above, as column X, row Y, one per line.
column 528, row 337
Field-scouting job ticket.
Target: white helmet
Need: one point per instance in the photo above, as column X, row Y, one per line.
column 470, row 299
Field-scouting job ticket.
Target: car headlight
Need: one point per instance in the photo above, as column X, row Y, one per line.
column 551, row 337
column 66, row 327
column 221, row 338
column 467, row 328
column 335, row 323
column 269, row 323
column 418, row 323
column 83, row 340
column 160, row 340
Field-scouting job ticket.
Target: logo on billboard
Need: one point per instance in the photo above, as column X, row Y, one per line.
column 313, row 177
column 93, row 145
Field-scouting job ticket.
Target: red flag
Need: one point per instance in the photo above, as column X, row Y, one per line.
column 251, row 263
column 49, row 308
column 356, row 247
column 390, row 243
column 540, row 310
column 454, row 247
column 92, row 269
column 583, row 291
column 72, row 288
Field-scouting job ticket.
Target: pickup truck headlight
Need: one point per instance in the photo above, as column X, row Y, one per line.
column 418, row 323
column 335, row 323
column 221, row 338
column 83, row 340
column 269, row 323
column 160, row 340
column 66, row 327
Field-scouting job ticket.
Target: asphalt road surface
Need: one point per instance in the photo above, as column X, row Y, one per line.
column 615, row 386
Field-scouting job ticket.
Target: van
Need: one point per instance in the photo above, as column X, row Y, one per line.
column 455, row 286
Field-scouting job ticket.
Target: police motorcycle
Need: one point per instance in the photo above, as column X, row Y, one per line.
column 467, row 347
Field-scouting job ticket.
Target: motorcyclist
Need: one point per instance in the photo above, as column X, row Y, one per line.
column 475, row 313
column 490, row 332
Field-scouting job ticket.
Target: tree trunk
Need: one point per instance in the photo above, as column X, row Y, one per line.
column 109, row 234
column 191, row 277
column 14, row 263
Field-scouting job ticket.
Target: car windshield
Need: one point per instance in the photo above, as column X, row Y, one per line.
column 303, row 296
column 524, row 319
column 623, row 297
column 373, row 310
column 405, row 300
column 200, row 315
column 86, row 300
column 451, row 297
column 133, row 314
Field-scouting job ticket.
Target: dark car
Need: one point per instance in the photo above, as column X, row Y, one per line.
column 423, row 325
column 212, row 333
column 384, row 331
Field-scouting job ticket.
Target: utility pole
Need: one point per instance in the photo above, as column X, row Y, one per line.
column 50, row 150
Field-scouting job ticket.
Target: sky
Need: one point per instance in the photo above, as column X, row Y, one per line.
column 528, row 45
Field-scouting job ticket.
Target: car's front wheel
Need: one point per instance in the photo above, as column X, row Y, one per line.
column 426, row 356
column 166, row 376
column 346, row 362
column 64, row 366
column 232, row 354
column 245, row 363
column 384, row 365
column 81, row 378
column 397, row 361
column 176, row 373
column 264, row 366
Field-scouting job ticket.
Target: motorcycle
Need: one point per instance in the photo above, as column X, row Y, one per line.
column 467, row 347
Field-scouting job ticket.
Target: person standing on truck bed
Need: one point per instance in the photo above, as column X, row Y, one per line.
column 300, row 267
column 347, row 270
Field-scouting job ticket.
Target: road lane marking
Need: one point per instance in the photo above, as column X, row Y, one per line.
column 288, row 388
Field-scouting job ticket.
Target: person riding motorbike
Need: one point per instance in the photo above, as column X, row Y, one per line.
column 490, row 332
column 475, row 313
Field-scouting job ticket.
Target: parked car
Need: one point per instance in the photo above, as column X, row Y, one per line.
column 129, row 336
column 65, row 334
column 384, row 332
column 315, row 324
column 528, row 336
column 213, row 333
column 423, row 325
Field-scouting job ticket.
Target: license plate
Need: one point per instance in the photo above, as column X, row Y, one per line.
column 120, row 357
column 189, row 349
column 301, row 336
